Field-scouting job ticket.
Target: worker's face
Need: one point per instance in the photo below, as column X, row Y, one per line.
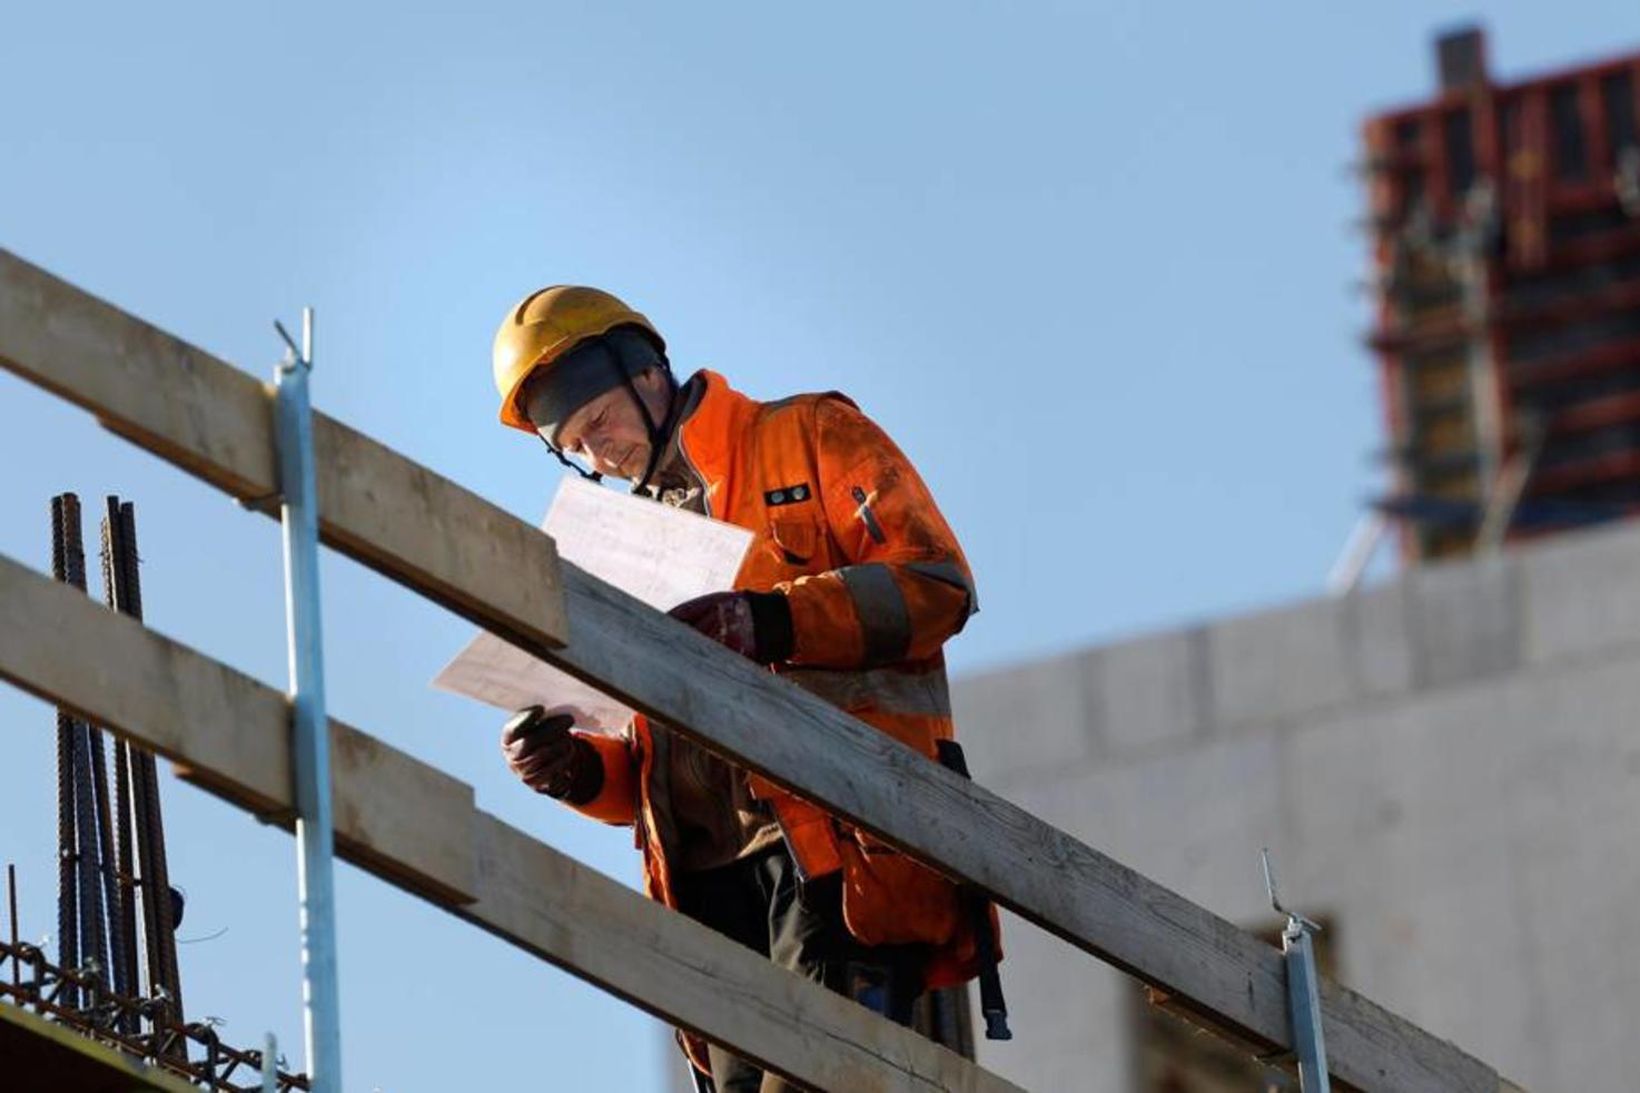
column 608, row 434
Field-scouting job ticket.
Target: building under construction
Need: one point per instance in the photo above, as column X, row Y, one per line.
column 1505, row 221
column 1405, row 751
column 1445, row 763
column 351, row 795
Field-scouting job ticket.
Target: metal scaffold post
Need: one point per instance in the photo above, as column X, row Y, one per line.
column 1303, row 992
column 299, row 513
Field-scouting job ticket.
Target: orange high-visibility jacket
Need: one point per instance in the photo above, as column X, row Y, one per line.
column 846, row 529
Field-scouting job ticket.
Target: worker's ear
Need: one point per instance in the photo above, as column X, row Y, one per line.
column 652, row 378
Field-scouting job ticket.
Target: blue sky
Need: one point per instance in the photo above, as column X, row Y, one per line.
column 1091, row 265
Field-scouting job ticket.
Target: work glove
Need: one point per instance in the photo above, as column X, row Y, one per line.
column 550, row 759
column 757, row 625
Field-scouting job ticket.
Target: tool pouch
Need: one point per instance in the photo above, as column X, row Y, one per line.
column 890, row 899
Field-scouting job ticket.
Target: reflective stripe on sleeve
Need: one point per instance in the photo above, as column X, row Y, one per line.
column 884, row 617
column 948, row 573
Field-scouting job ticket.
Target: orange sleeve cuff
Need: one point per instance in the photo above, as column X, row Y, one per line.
column 825, row 632
column 617, row 799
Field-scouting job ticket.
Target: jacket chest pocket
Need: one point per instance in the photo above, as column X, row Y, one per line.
column 795, row 542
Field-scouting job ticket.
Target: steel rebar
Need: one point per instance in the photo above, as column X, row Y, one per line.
column 125, row 602
column 11, row 903
column 123, row 911
column 125, row 938
column 158, row 910
column 93, row 944
column 68, row 918
column 214, row 1072
column 105, row 856
column 93, row 939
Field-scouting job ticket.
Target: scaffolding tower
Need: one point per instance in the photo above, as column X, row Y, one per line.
column 1505, row 223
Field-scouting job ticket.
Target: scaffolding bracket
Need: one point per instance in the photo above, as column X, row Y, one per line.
column 1303, row 991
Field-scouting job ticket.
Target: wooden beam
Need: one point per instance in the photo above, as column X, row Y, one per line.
column 686, row 973
column 417, row 827
column 671, row 673
column 1040, row 872
column 230, row 733
column 215, row 422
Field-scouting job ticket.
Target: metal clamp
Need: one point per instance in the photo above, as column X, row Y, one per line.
column 1303, row 994
column 294, row 359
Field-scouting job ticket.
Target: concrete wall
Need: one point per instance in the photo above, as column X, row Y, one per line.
column 1447, row 767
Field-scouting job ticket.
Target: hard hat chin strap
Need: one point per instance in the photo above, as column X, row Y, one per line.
column 659, row 434
column 590, row 476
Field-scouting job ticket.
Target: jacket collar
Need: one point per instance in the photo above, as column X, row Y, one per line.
column 711, row 438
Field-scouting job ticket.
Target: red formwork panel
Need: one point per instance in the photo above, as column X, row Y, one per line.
column 1505, row 222
column 1551, row 145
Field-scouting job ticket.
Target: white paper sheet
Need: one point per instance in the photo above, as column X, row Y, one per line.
column 659, row 554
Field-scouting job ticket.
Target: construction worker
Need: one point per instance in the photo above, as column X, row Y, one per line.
column 852, row 584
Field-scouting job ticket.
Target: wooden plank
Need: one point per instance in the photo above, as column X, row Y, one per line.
column 229, row 732
column 233, row 732
column 216, row 422
column 1042, row 873
column 727, row 703
column 683, row 972
column 37, row 1054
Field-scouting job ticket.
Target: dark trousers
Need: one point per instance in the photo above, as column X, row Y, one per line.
column 759, row 902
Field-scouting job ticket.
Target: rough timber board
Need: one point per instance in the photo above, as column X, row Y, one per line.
column 683, row 972
column 229, row 733
column 36, row 1054
column 671, row 673
column 1040, row 872
column 216, row 422
column 417, row 827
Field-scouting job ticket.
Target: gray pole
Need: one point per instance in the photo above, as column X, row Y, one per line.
column 293, row 417
column 1303, row 992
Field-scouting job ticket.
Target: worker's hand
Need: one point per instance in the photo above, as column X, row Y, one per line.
column 550, row 759
column 754, row 624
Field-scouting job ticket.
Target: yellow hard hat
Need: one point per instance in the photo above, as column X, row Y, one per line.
column 546, row 325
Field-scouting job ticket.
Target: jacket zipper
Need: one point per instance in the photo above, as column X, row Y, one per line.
column 705, row 494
